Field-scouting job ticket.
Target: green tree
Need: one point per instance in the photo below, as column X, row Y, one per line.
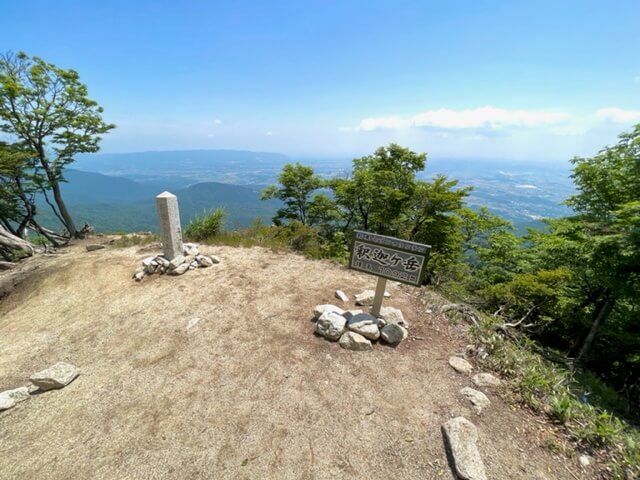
column 607, row 204
column 380, row 189
column 47, row 110
column 297, row 190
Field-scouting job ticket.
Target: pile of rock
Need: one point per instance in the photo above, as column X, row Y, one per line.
column 356, row 330
column 189, row 260
column 57, row 376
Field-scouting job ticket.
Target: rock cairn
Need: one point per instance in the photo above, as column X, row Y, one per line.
column 56, row 376
column 356, row 330
column 190, row 259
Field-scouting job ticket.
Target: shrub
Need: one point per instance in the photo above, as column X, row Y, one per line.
column 205, row 226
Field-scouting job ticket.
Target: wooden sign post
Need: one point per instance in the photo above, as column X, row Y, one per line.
column 388, row 258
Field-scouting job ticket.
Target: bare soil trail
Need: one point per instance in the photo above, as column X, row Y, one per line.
column 249, row 392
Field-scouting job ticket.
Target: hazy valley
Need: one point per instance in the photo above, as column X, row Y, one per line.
column 115, row 192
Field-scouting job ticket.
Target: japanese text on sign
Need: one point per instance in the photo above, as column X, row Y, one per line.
column 388, row 257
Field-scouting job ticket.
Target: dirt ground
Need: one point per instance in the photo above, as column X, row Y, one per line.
column 248, row 393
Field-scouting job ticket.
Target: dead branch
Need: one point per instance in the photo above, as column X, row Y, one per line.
column 464, row 310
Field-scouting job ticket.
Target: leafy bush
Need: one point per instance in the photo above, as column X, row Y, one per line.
column 205, row 226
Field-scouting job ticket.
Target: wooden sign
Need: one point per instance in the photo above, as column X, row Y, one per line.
column 389, row 257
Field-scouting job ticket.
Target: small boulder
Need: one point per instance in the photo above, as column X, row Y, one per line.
column 364, row 324
column 486, row 380
column 19, row 394
column 461, row 436
column 190, row 249
column 354, row 341
column 56, row 376
column 331, row 325
column 478, row 399
column 204, row 261
column 585, row 460
column 393, row 315
column 394, row 333
column 180, row 269
column 163, row 262
column 139, row 275
column 214, row 259
column 93, row 247
column 460, row 365
column 176, row 262
column 349, row 314
column 6, row 402
column 320, row 309
column 340, row 295
column 366, row 298
column 372, row 332
column 149, row 261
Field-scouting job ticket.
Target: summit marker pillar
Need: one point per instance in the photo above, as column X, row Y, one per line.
column 169, row 219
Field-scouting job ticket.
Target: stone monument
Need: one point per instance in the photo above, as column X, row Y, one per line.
column 169, row 219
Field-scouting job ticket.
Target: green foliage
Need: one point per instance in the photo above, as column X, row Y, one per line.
column 297, row 184
column 205, row 226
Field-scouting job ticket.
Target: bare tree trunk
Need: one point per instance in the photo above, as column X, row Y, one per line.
column 602, row 315
column 10, row 242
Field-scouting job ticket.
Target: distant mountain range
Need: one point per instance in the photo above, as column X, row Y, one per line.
column 114, row 204
column 115, row 192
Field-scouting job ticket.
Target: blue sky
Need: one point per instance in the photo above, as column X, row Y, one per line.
column 527, row 80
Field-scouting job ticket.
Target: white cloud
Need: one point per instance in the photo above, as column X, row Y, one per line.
column 618, row 115
column 482, row 117
column 344, row 129
column 268, row 134
column 217, row 121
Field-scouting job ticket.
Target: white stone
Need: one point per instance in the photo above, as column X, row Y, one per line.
column 149, row 261
column 393, row 315
column 366, row 298
column 214, row 259
column 6, row 402
column 204, row 261
column 478, row 399
column 150, row 269
column 192, row 322
column 19, row 394
column 320, row 309
column 190, row 249
column 461, row 436
column 354, row 341
column 364, row 324
column 460, row 365
column 182, row 268
column 169, row 220
column 394, row 333
column 163, row 262
column 585, row 460
column 340, row 295
column 177, row 261
column 382, row 323
column 331, row 325
column 138, row 276
column 486, row 380
column 372, row 332
column 56, row 376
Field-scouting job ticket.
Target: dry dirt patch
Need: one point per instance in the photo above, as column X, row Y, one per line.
column 249, row 392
